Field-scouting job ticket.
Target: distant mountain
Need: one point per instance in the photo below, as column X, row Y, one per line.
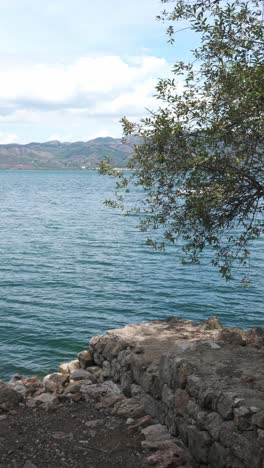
column 57, row 155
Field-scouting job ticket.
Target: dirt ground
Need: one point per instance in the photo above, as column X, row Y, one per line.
column 66, row 437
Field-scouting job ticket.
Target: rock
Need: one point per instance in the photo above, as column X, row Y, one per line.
column 242, row 418
column 9, row 398
column 3, row 417
column 261, row 437
column 258, row 419
column 97, row 391
column 168, row 396
column 85, row 359
column 94, row 423
column 68, row 367
column 130, row 421
column 213, row 323
column 55, row 382
column 33, row 384
column 96, row 373
column 181, row 400
column 129, row 407
column 106, row 369
column 109, row 401
column 255, row 337
column 80, row 374
column 18, row 387
column 218, row 456
column 29, row 464
column 48, row 399
column 74, row 387
column 213, row 424
column 225, row 404
column 174, row 456
column 199, row 444
column 156, row 433
column 242, row 446
column 234, row 336
column 145, row 421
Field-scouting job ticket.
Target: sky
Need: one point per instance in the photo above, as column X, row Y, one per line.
column 71, row 69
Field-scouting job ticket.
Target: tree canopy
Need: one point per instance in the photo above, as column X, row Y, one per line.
column 200, row 157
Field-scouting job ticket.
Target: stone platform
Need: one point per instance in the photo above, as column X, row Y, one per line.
column 203, row 381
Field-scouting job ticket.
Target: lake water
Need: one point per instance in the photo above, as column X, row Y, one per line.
column 71, row 268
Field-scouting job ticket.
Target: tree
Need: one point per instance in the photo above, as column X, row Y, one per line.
column 200, row 158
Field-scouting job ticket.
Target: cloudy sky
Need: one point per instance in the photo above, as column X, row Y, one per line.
column 70, row 69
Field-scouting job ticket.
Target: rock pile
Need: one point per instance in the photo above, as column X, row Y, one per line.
column 205, row 383
column 194, row 391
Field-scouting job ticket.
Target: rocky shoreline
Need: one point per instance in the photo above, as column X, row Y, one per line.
column 192, row 394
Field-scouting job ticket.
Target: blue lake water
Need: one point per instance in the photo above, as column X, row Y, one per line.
column 71, row 268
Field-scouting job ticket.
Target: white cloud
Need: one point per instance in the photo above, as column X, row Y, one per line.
column 6, row 138
column 73, row 101
column 96, row 85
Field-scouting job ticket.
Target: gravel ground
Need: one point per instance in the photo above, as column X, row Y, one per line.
column 67, row 437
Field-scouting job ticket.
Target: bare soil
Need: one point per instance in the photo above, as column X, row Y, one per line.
column 60, row 438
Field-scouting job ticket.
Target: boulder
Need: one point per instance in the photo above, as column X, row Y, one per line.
column 129, row 408
column 213, row 323
column 55, row 382
column 97, row 391
column 9, row 398
column 81, row 374
column 68, row 367
column 155, row 436
column 48, row 399
column 85, row 359
column 33, row 384
column 174, row 456
column 74, row 387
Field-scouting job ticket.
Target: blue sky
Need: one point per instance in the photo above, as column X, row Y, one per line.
column 70, row 69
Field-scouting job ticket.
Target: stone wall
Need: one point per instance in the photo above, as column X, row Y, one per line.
column 204, row 382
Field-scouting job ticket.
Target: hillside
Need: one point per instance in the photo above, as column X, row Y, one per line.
column 57, row 155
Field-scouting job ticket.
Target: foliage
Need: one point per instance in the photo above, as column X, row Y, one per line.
column 200, row 161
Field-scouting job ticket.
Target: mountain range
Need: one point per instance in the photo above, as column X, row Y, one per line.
column 58, row 155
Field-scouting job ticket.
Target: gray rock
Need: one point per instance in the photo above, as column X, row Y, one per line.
column 260, row 433
column 181, row 400
column 55, row 382
column 199, row 444
column 18, row 387
column 172, row 456
column 109, row 401
column 73, row 388
column 97, row 391
column 49, row 398
column 145, row 421
column 168, row 396
column 154, row 435
column 225, row 404
column 94, row 423
column 213, row 323
column 68, row 367
column 29, row 464
column 9, row 398
column 106, row 369
column 218, row 456
column 258, row 419
column 213, row 424
column 80, row 374
column 129, row 408
column 85, row 359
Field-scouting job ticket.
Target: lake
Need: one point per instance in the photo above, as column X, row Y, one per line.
column 71, row 268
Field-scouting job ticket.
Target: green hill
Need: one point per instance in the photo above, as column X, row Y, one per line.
column 57, row 155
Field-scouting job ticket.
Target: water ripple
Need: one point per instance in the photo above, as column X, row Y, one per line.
column 71, row 268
